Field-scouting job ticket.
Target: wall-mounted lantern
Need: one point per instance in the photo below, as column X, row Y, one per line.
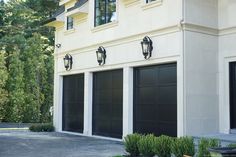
column 147, row 47
column 68, row 62
column 101, row 55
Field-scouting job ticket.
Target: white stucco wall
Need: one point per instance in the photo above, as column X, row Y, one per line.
column 227, row 53
column 200, row 67
column 201, row 12
column 121, row 40
column 202, row 50
column 227, row 13
column 124, row 56
column 131, row 21
column 200, row 83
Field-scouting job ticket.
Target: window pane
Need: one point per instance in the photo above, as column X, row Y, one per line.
column 148, row 1
column 105, row 11
column 111, row 10
column 69, row 23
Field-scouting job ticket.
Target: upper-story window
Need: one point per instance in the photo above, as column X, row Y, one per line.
column 70, row 23
column 148, row 1
column 105, row 12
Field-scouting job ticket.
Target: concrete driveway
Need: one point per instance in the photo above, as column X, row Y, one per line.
column 23, row 143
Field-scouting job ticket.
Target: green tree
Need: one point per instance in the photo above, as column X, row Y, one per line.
column 16, row 103
column 3, row 92
column 47, row 86
column 28, row 48
column 38, row 90
column 2, row 12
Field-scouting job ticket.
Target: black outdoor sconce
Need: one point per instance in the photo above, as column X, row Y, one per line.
column 101, row 55
column 58, row 45
column 68, row 62
column 147, row 47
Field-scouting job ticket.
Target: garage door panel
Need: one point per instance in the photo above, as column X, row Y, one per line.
column 104, row 96
column 146, row 114
column 103, row 110
column 69, row 96
column 170, row 109
column 117, row 81
column 146, row 76
column 116, row 124
column 146, row 95
column 73, row 109
column 117, row 111
column 168, row 128
column 155, row 99
column 107, row 103
column 73, row 103
column 105, row 81
column 232, row 75
column 167, row 74
column 167, row 95
column 147, row 127
column 103, row 126
column 117, row 95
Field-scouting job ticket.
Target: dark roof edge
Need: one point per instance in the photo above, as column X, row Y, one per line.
column 54, row 16
column 49, row 20
column 59, row 11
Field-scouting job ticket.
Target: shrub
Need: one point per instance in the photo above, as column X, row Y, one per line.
column 131, row 144
column 183, row 146
column 205, row 144
column 146, row 145
column 163, row 146
column 46, row 127
column 233, row 145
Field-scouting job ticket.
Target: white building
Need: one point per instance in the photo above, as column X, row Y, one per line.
column 187, row 86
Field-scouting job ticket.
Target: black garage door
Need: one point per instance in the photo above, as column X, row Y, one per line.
column 155, row 100
column 107, row 103
column 233, row 95
column 73, row 103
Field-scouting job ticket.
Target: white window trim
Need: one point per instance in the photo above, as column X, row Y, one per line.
column 129, row 3
column 69, row 31
column 104, row 26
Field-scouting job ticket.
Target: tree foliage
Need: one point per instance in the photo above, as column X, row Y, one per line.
column 15, row 86
column 3, row 91
column 26, row 61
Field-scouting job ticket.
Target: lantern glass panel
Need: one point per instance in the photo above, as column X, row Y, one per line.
column 99, row 56
column 66, row 62
column 145, row 47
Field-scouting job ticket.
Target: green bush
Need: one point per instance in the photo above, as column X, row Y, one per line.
column 131, row 144
column 183, row 146
column 146, row 145
column 163, row 146
column 46, row 127
column 205, row 144
column 233, row 145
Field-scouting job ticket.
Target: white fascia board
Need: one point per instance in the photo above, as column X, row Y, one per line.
column 81, row 10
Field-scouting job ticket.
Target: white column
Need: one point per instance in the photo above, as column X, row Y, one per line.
column 88, row 94
column 127, row 101
column 57, row 99
column 60, row 99
column 181, row 108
